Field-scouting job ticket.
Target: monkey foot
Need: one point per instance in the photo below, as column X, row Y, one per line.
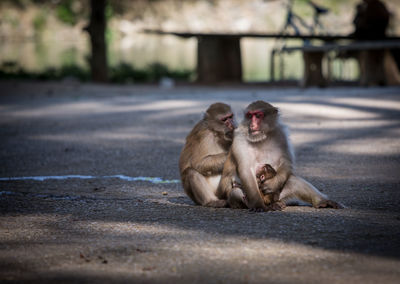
column 329, row 204
column 277, row 206
column 255, row 210
column 217, row 203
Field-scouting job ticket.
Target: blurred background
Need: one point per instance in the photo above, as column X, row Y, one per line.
column 49, row 39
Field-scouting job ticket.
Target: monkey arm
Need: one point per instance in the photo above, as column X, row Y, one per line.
column 250, row 187
column 211, row 164
column 225, row 184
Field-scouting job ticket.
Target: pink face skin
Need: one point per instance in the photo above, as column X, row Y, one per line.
column 262, row 178
column 256, row 117
column 228, row 121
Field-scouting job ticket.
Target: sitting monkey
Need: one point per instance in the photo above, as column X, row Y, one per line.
column 262, row 139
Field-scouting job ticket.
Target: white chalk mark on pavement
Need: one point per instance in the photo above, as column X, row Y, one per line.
column 156, row 180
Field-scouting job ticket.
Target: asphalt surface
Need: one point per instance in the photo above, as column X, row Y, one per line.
column 102, row 229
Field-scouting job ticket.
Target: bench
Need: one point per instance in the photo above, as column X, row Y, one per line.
column 372, row 56
column 219, row 56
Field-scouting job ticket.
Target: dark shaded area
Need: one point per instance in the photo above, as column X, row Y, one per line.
column 371, row 20
column 122, row 73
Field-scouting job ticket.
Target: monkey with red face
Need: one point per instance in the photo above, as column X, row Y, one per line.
column 262, row 139
column 204, row 154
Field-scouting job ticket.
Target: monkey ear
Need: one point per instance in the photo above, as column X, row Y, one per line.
column 275, row 110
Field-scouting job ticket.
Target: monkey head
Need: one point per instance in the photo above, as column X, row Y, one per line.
column 260, row 119
column 220, row 119
column 264, row 172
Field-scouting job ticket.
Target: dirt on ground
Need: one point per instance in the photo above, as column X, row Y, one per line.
column 90, row 191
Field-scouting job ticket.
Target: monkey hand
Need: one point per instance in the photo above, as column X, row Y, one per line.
column 329, row 204
column 255, row 210
column 272, row 207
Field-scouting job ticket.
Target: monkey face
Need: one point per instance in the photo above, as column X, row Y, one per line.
column 220, row 119
column 255, row 118
column 229, row 124
column 228, row 121
column 223, row 124
column 261, row 120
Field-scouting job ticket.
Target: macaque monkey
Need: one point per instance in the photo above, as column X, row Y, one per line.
column 271, row 199
column 204, row 154
column 262, row 139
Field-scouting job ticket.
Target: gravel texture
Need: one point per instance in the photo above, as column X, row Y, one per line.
column 108, row 230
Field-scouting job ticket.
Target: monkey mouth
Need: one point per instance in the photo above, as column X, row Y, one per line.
column 254, row 132
column 256, row 136
column 229, row 132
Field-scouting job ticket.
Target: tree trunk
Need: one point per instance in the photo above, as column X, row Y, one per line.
column 218, row 60
column 313, row 69
column 96, row 30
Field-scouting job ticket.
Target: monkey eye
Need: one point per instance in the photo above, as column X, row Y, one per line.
column 225, row 118
column 258, row 114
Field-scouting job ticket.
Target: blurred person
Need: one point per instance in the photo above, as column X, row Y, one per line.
column 371, row 20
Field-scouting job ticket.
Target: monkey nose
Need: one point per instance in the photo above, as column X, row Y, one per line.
column 254, row 126
column 230, row 124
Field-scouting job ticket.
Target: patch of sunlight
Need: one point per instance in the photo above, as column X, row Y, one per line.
column 325, row 111
column 365, row 147
column 101, row 136
column 365, row 102
column 316, row 124
column 136, row 136
column 300, row 138
column 253, row 247
column 92, row 107
column 27, row 225
column 224, row 248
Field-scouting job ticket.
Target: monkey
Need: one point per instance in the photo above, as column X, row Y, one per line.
column 270, row 198
column 204, row 154
column 263, row 173
column 260, row 139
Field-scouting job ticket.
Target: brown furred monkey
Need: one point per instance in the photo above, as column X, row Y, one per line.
column 263, row 173
column 270, row 198
column 261, row 139
column 204, row 154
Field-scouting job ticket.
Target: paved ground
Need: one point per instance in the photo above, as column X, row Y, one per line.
column 102, row 230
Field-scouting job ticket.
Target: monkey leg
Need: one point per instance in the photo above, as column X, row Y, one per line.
column 202, row 192
column 298, row 188
column 237, row 199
